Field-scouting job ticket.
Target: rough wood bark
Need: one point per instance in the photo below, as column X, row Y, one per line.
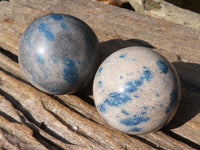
column 71, row 121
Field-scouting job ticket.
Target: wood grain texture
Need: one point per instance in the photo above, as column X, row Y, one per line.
column 71, row 121
column 108, row 22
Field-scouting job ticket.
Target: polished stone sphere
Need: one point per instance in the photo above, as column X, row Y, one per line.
column 136, row 90
column 58, row 53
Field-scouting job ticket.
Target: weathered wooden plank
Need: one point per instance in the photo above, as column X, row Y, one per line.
column 37, row 107
column 188, row 123
column 159, row 139
column 17, row 136
column 109, row 23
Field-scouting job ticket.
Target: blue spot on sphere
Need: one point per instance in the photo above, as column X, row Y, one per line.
column 99, row 84
column 47, row 33
column 39, row 59
column 70, row 72
column 63, row 26
column 102, row 108
column 122, row 56
column 124, row 112
column 136, row 96
column 57, row 17
column 99, row 71
column 117, row 99
column 132, row 86
column 135, row 130
column 162, row 66
column 144, row 112
column 79, row 62
column 157, row 95
column 120, row 98
column 133, row 121
column 147, row 75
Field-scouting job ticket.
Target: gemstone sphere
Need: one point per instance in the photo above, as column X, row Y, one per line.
column 58, row 53
column 136, row 90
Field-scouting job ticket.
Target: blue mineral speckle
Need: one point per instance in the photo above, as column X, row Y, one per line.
column 99, row 71
column 133, row 121
column 122, row 56
column 117, row 99
column 121, row 77
column 79, row 62
column 135, row 130
column 173, row 97
column 162, row 66
column 63, row 26
column 39, row 59
column 147, row 75
column 102, row 108
column 124, row 112
column 136, row 96
column 144, row 112
column 70, row 72
column 132, row 86
column 120, row 98
column 99, row 84
column 161, row 105
column 157, row 95
column 145, row 107
column 57, row 17
column 133, row 59
column 49, row 36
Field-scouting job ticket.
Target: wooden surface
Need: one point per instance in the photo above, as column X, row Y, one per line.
column 30, row 119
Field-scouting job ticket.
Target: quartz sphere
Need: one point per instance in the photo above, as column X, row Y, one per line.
column 58, row 53
column 136, row 90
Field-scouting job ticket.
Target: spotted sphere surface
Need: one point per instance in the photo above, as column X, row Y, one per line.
column 136, row 90
column 58, row 53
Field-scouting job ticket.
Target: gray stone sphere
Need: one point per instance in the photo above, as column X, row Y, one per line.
column 136, row 90
column 58, row 53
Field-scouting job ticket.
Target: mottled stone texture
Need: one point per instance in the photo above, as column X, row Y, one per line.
column 58, row 53
column 136, row 90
